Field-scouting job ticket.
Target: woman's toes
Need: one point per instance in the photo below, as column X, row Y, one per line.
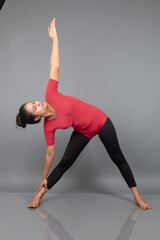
column 30, row 205
column 149, row 206
column 35, row 203
column 144, row 205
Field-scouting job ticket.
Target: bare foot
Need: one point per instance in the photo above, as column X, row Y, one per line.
column 38, row 198
column 144, row 205
column 35, row 202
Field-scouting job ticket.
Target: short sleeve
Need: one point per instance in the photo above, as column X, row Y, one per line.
column 49, row 137
column 52, row 87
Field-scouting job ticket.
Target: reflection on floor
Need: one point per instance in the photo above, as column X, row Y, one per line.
column 78, row 217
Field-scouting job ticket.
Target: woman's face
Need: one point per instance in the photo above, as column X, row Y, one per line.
column 36, row 108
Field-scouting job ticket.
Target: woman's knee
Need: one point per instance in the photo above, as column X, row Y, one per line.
column 118, row 159
column 65, row 163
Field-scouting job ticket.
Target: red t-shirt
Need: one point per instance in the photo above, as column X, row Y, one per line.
column 71, row 112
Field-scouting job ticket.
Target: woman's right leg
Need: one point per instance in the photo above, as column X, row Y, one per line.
column 75, row 146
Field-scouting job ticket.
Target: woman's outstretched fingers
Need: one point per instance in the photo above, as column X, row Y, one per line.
column 53, row 22
column 54, row 19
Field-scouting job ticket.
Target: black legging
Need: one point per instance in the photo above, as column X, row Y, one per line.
column 78, row 141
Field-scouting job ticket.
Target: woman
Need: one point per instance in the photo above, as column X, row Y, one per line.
column 62, row 111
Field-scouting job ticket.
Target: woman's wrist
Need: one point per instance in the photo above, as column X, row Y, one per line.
column 55, row 37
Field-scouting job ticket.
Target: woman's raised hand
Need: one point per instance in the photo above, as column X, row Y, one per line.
column 52, row 29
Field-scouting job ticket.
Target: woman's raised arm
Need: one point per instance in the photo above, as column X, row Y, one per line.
column 54, row 62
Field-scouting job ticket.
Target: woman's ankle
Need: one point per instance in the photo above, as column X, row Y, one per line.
column 42, row 192
column 135, row 192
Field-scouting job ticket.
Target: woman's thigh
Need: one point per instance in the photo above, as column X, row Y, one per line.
column 108, row 136
column 75, row 146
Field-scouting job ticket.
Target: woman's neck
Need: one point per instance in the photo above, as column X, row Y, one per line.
column 51, row 113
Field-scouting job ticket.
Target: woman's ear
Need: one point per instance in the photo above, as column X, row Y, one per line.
column 37, row 118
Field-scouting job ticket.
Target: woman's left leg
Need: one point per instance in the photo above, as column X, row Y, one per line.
column 108, row 136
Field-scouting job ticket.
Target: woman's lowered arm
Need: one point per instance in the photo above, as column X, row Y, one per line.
column 54, row 62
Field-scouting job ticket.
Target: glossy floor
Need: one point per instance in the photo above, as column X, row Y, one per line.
column 79, row 217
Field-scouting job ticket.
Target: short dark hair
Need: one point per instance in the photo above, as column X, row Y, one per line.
column 23, row 117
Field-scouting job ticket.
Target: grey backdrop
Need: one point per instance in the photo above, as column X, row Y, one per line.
column 109, row 57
